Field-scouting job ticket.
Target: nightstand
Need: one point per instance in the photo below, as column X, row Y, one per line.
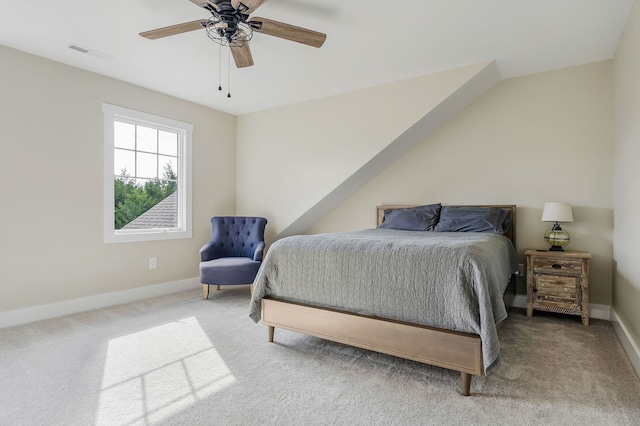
column 558, row 281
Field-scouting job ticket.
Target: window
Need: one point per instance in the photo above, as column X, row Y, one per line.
column 147, row 176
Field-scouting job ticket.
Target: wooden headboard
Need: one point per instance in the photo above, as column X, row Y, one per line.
column 511, row 234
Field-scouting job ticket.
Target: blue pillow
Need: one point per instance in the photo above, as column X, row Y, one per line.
column 474, row 219
column 421, row 218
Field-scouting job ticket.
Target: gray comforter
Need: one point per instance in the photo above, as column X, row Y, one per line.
column 447, row 280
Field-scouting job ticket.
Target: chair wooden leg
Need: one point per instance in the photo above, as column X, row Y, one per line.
column 271, row 331
column 217, row 288
column 205, row 291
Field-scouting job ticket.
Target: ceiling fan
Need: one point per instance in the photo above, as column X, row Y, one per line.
column 230, row 25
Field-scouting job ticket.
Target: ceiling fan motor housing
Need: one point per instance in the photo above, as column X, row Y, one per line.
column 227, row 18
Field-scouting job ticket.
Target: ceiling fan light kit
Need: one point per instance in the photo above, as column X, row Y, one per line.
column 230, row 25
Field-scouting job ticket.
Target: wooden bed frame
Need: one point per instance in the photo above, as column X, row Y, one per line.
column 434, row 346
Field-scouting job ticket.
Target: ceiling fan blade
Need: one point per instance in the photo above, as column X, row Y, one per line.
column 174, row 29
column 241, row 55
column 290, row 32
column 251, row 4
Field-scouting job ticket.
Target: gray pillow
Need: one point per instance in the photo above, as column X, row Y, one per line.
column 420, row 218
column 474, row 219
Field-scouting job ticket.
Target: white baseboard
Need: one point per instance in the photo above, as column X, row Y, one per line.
column 595, row 310
column 600, row 311
column 519, row 301
column 629, row 346
column 53, row 310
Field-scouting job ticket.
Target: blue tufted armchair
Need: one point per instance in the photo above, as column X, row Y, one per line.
column 234, row 254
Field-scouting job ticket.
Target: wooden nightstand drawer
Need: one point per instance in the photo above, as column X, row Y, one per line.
column 557, row 266
column 557, row 293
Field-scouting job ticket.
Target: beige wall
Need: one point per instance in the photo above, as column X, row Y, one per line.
column 290, row 158
column 545, row 137
column 626, row 177
column 52, row 169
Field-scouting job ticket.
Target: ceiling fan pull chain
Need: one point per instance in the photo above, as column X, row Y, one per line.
column 229, row 74
column 220, row 68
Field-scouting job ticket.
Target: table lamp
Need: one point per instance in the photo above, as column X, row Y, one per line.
column 556, row 237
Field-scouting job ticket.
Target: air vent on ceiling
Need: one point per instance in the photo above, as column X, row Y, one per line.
column 78, row 48
column 92, row 52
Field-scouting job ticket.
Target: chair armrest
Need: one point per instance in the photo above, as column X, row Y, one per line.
column 209, row 252
column 257, row 255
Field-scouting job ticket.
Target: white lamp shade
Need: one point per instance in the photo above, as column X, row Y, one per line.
column 557, row 212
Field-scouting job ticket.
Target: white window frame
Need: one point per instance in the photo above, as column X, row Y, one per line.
column 184, row 130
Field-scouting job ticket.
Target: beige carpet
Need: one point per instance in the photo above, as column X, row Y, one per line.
column 178, row 360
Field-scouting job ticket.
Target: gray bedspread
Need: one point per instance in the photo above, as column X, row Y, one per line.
column 447, row 280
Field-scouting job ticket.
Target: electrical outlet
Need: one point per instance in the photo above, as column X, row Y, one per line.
column 153, row 262
column 521, row 269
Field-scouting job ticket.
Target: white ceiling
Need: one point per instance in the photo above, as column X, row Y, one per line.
column 368, row 43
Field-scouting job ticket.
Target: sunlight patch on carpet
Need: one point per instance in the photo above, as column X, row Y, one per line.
column 155, row 373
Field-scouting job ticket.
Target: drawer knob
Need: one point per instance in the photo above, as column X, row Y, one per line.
column 556, row 266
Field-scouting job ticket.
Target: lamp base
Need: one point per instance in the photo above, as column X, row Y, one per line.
column 556, row 238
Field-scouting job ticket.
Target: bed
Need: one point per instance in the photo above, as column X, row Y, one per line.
column 432, row 297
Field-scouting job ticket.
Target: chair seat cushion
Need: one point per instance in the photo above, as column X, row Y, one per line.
column 229, row 270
